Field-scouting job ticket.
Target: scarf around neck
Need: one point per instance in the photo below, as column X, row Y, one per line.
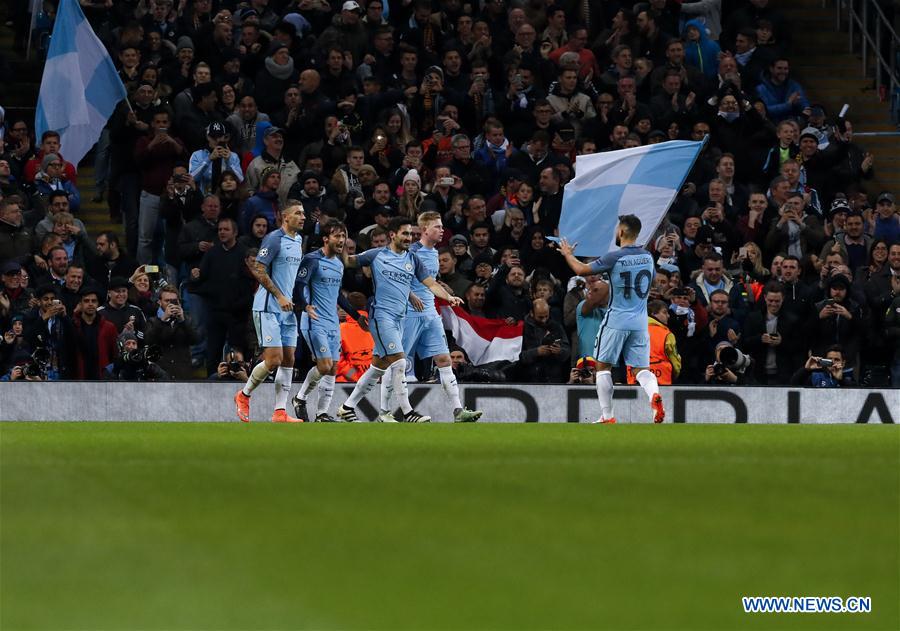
column 280, row 72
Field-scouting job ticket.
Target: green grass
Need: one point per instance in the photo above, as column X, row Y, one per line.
column 229, row 526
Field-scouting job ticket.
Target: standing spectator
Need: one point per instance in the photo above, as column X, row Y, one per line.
column 15, row 238
column 227, row 290
column 836, row 320
column 125, row 316
column 93, row 344
column 156, row 155
column 507, row 294
column 264, row 202
column 174, row 333
column 892, row 328
column 207, row 165
column 887, row 220
column 771, row 338
column 180, row 204
column 545, row 347
column 110, row 260
column 50, row 179
column 49, row 144
column 853, row 243
column 783, row 96
column 48, row 327
column 272, row 156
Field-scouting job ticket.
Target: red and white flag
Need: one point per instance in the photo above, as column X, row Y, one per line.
column 485, row 340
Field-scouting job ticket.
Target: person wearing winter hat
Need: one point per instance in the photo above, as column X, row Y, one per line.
column 412, row 197
column 51, row 178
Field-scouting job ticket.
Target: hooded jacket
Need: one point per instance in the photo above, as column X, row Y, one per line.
column 702, row 54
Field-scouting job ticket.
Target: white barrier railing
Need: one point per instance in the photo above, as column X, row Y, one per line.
column 512, row 403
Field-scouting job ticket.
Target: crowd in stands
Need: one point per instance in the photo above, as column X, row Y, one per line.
column 777, row 264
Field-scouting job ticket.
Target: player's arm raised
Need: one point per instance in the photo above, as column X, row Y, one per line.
column 258, row 269
column 361, row 260
column 568, row 251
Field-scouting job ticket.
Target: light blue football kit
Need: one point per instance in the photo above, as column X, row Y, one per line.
column 623, row 330
column 319, row 283
column 423, row 331
column 392, row 276
column 281, row 254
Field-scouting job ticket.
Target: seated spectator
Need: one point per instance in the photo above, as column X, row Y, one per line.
column 545, row 347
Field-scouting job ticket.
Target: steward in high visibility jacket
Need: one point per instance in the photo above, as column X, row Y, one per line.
column 665, row 362
column 356, row 350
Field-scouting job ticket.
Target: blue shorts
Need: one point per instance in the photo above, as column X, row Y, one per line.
column 323, row 343
column 275, row 329
column 634, row 346
column 388, row 336
column 424, row 336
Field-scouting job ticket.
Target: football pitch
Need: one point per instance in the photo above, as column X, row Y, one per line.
column 232, row 526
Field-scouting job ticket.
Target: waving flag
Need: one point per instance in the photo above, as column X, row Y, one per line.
column 485, row 340
column 641, row 181
column 80, row 87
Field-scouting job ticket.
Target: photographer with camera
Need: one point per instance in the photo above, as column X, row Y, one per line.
column 583, row 372
column 233, row 367
column 27, row 367
column 173, row 333
column 135, row 363
column 731, row 367
column 824, row 372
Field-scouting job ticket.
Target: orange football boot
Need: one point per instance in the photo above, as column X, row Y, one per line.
column 281, row 416
column 242, row 403
column 659, row 412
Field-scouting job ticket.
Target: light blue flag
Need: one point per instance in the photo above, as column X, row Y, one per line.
column 641, row 181
column 80, row 87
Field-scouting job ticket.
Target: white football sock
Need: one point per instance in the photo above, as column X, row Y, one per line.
column 283, row 378
column 309, row 383
column 605, row 393
column 259, row 374
column 364, row 386
column 450, row 386
column 326, row 392
column 648, row 382
column 398, row 377
column 387, row 390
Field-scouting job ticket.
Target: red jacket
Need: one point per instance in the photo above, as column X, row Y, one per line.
column 34, row 165
column 106, row 341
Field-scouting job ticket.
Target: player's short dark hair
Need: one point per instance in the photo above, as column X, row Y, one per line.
column 398, row 222
column 632, row 225
column 333, row 227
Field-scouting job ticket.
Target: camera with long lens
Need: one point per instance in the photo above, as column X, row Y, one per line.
column 142, row 356
column 731, row 359
column 38, row 364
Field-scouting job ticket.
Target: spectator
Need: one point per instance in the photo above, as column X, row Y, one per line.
column 782, row 95
column 125, row 316
column 110, row 260
column 93, row 344
column 828, row 371
column 771, row 339
column 887, row 220
column 545, row 347
column 226, row 286
column 264, row 202
column 836, row 320
column 356, row 343
column 50, row 144
column 725, row 372
column 272, row 156
column 156, row 155
column 47, row 327
column 588, row 316
column 447, row 274
column 50, row 179
column 665, row 361
column 507, row 295
column 892, row 327
column 207, row 165
column 853, row 243
column 173, row 333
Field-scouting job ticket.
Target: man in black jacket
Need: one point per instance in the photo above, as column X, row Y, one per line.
column 771, row 337
column 227, row 290
column 545, row 347
column 173, row 333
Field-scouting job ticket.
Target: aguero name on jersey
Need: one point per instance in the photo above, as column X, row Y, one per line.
column 392, row 275
column 281, row 254
column 631, row 271
column 429, row 259
column 319, row 278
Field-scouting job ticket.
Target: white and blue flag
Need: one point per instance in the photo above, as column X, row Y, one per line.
column 80, row 87
column 641, row 181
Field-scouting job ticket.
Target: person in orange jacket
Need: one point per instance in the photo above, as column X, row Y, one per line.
column 665, row 361
column 356, row 344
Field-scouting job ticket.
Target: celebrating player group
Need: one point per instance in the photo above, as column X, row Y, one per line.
column 404, row 320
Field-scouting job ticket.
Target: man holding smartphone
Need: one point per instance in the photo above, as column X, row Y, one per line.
column 207, row 165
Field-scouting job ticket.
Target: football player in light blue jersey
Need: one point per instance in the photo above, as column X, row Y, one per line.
column 623, row 330
column 393, row 269
column 275, row 269
column 423, row 329
column 317, row 297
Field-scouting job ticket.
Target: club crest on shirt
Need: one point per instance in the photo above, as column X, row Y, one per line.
column 263, row 252
column 408, row 267
column 322, row 349
column 392, row 346
column 304, row 272
column 268, row 338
